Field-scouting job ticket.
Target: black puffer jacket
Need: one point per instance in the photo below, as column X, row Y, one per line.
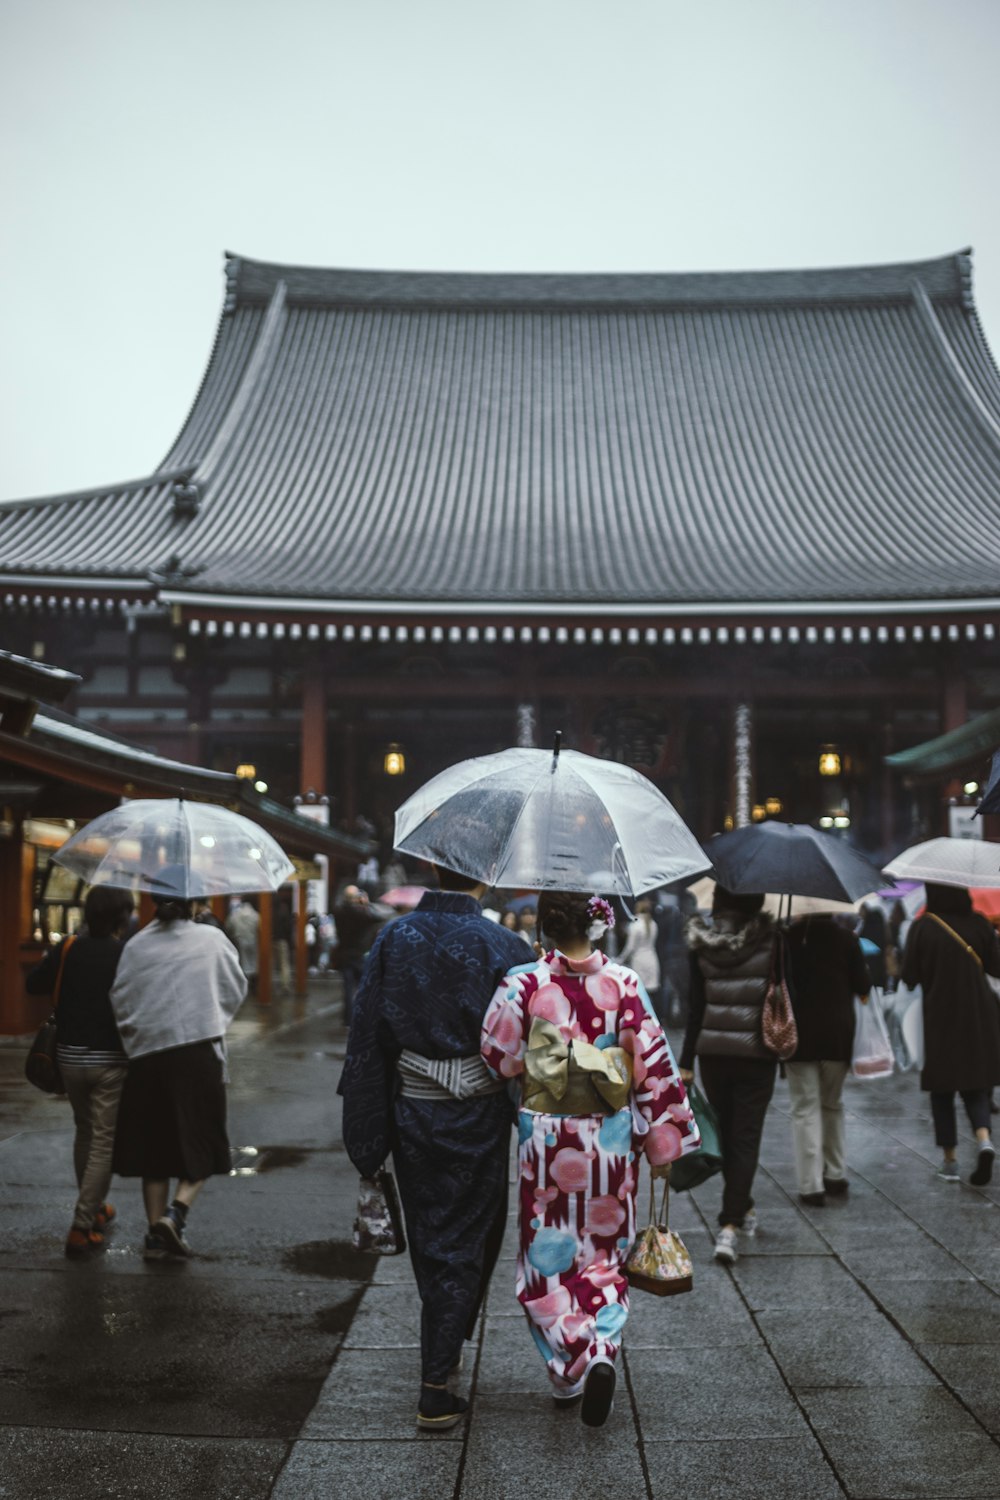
column 730, row 967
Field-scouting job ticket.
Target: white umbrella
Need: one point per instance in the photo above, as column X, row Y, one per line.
column 548, row 821
column 943, row 861
column 171, row 847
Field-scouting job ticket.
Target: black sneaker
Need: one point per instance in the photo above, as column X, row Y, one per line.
column 170, row 1229
column 439, row 1409
column 984, row 1166
column 598, row 1393
column 155, row 1247
column 813, row 1200
column 837, row 1187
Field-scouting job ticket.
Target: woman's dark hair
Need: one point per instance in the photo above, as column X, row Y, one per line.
column 743, row 906
column 563, row 916
column 172, row 909
column 451, row 880
column 105, row 910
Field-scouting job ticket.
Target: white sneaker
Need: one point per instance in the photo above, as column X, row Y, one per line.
column 725, row 1246
column 750, row 1222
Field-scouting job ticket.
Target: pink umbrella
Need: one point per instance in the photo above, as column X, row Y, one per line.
column 406, row 897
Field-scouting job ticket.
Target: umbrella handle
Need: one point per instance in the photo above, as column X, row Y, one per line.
column 556, row 747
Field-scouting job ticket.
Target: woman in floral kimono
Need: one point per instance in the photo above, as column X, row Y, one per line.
column 599, row 1085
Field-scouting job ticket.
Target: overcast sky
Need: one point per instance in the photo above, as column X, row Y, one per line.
column 142, row 138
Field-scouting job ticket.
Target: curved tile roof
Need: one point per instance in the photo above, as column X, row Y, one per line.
column 759, row 438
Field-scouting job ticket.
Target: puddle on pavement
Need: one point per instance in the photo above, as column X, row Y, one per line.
column 251, row 1161
column 336, row 1259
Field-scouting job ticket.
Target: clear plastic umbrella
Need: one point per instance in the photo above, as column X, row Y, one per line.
column 549, row 821
column 170, row 847
column 943, row 861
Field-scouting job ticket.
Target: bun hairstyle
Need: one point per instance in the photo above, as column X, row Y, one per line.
column 172, row 909
column 564, row 916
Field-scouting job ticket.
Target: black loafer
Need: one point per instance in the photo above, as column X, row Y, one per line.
column 814, row 1200
column 598, row 1394
column 836, row 1186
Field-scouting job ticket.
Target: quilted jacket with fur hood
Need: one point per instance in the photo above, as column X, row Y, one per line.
column 730, row 967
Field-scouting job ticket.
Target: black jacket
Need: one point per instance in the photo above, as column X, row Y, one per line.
column 961, row 1013
column 826, row 969
column 84, row 1017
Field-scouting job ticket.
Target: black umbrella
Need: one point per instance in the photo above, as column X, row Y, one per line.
column 791, row 859
column 989, row 802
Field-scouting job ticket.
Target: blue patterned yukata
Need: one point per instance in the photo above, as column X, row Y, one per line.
column 425, row 989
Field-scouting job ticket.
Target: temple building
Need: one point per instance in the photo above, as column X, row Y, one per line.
column 737, row 530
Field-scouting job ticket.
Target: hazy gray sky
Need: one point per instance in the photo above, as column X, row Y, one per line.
column 142, row 138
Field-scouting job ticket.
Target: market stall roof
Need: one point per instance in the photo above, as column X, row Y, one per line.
column 384, row 442
column 975, row 741
column 61, row 748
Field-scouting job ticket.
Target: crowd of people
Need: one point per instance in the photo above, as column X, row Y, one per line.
column 549, row 1013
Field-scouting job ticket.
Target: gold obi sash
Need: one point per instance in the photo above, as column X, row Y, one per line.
column 573, row 1078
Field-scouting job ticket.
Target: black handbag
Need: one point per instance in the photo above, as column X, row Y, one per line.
column 379, row 1226
column 42, row 1064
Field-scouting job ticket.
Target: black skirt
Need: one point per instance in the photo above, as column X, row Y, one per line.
column 172, row 1118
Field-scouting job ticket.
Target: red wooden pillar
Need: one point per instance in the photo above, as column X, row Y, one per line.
column 146, row 908
column 219, row 912
column 312, row 760
column 15, row 1007
column 265, row 949
column 301, row 951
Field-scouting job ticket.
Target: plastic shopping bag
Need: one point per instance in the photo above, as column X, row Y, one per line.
column 872, row 1057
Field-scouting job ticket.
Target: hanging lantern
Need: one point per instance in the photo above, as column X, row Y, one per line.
column 773, row 806
column 247, row 772
column 829, row 761
column 394, row 763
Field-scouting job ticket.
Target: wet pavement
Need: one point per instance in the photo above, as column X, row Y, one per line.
column 854, row 1350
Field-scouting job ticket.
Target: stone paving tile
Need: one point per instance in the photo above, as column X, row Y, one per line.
column 798, row 1281
column 956, row 1465
column 871, row 1413
column 915, row 1259
column 510, row 1361
column 422, row 1469
column 551, row 1455
column 823, row 1347
column 965, row 1366
column 710, row 1316
column 388, row 1317
column 946, row 1312
column 684, row 1394
column 373, row 1393
column 50, row 1464
column 779, row 1467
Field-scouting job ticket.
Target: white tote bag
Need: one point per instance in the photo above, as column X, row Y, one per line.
column 872, row 1056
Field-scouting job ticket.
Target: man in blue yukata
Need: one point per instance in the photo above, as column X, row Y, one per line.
column 414, row 1084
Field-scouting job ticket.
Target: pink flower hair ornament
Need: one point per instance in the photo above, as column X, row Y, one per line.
column 601, row 916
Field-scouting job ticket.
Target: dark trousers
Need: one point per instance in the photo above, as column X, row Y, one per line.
column 977, row 1107
column 739, row 1089
column 451, row 1163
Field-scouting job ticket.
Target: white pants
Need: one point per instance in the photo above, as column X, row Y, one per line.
column 814, row 1090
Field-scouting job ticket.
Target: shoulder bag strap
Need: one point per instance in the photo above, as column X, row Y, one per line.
column 67, row 945
column 952, row 933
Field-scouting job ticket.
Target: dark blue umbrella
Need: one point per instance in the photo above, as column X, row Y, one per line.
column 791, row 859
column 989, row 802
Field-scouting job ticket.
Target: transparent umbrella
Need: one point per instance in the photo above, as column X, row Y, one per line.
column 944, row 861
column 549, row 821
column 170, row 847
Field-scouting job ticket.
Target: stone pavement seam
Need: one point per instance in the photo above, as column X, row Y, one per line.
column 774, row 1359
column 876, row 1301
column 473, row 1387
column 640, row 1439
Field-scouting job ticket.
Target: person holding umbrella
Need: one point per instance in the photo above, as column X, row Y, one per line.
column 598, row 1089
column 949, row 951
column 178, row 986
column 731, row 962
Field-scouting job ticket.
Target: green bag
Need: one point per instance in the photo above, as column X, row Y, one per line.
column 699, row 1166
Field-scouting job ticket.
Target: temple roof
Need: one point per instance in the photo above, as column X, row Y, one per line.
column 704, row 441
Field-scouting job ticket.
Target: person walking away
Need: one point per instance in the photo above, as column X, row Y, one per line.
column 639, row 950
column 177, row 989
column 357, row 925
column 90, row 1055
column 949, row 951
column 729, row 970
column 414, row 1084
column 284, row 928
column 243, row 929
column 598, row 1088
column 827, row 969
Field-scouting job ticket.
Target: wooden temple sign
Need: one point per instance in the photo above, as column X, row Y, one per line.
column 305, row 869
